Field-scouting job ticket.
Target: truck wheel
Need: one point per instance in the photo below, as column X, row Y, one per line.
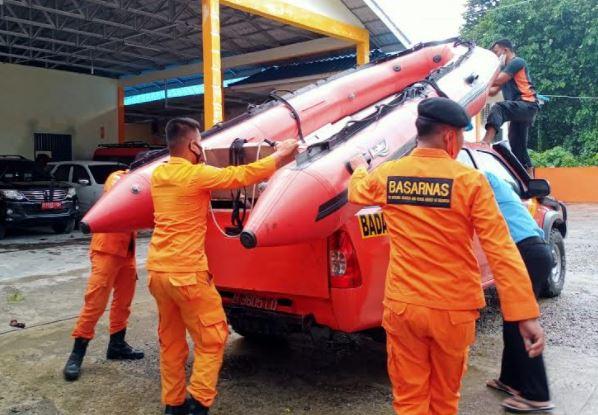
column 64, row 227
column 2, row 231
column 556, row 278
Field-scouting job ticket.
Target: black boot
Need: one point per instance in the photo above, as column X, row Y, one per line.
column 119, row 349
column 72, row 369
column 182, row 409
column 197, row 408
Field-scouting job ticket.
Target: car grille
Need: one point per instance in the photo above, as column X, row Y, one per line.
column 44, row 195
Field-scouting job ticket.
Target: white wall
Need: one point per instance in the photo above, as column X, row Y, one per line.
column 330, row 8
column 36, row 100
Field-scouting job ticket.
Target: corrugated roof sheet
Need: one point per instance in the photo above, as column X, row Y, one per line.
column 295, row 70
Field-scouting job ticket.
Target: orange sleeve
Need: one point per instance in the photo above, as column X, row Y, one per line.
column 210, row 177
column 113, row 178
column 510, row 275
column 365, row 188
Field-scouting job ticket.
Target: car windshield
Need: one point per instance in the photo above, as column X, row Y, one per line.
column 102, row 171
column 22, row 171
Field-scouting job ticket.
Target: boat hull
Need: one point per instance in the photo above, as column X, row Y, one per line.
column 308, row 199
column 128, row 205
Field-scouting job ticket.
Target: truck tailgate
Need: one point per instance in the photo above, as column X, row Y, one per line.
column 300, row 269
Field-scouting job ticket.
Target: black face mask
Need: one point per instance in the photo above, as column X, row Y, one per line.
column 198, row 156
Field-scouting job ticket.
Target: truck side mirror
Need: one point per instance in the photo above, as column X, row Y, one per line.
column 538, row 188
column 83, row 182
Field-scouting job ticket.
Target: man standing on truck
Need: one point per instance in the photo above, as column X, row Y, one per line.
column 432, row 205
column 113, row 271
column 179, row 278
column 520, row 104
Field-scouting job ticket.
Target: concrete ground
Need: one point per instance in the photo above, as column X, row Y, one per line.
column 42, row 278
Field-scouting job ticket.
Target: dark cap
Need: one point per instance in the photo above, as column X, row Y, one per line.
column 445, row 111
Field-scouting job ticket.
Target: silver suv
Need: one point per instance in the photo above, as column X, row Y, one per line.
column 86, row 176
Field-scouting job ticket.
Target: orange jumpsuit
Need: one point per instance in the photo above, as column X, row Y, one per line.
column 112, row 270
column 432, row 205
column 178, row 273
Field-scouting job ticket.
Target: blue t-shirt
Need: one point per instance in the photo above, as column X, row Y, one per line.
column 520, row 222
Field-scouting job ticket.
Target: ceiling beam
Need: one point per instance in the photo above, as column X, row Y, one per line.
column 288, row 13
column 271, row 25
column 320, row 45
column 154, row 60
column 26, row 58
column 156, row 16
column 297, row 16
column 51, row 54
column 77, row 16
column 274, row 42
column 99, row 36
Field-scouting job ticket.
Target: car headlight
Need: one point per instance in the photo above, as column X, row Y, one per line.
column 12, row 194
column 71, row 192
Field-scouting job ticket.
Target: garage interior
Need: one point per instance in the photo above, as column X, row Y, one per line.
column 90, row 72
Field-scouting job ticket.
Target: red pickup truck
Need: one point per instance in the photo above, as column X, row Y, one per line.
column 337, row 283
column 125, row 152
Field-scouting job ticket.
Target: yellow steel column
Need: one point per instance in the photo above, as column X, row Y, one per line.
column 212, row 78
column 297, row 16
column 363, row 52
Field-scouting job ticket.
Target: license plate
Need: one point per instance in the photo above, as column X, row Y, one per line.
column 51, row 205
column 253, row 301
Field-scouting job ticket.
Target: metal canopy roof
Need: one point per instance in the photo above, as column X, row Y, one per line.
column 114, row 38
column 254, row 89
column 381, row 36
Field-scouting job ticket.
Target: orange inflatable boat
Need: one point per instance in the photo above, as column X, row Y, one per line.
column 354, row 112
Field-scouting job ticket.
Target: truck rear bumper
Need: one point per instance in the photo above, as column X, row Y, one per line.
column 294, row 314
column 268, row 323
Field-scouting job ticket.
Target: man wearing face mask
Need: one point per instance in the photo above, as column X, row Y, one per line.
column 520, row 104
column 179, row 278
column 113, row 271
column 432, row 205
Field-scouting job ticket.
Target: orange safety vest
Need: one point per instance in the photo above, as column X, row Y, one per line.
column 119, row 244
column 432, row 205
column 181, row 196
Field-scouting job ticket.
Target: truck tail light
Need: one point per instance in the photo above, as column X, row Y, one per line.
column 343, row 266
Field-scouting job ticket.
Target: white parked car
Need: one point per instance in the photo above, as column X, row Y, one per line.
column 86, row 176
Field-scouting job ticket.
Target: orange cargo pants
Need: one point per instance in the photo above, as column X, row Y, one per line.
column 189, row 302
column 108, row 273
column 427, row 357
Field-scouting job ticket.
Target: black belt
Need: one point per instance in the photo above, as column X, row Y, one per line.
column 532, row 240
column 132, row 245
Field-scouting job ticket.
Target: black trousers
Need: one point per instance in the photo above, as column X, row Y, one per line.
column 518, row 370
column 521, row 114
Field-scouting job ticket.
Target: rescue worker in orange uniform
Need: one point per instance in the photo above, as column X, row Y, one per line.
column 432, row 205
column 112, row 271
column 178, row 268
